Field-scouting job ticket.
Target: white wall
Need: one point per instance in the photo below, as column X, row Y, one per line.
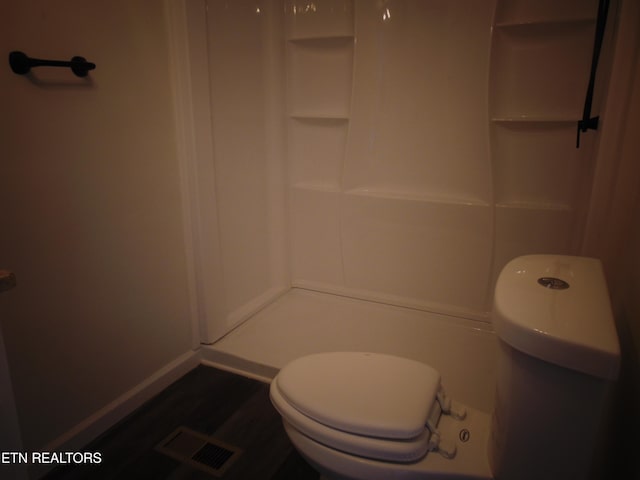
column 91, row 210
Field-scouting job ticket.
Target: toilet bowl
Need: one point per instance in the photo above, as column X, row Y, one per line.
column 347, row 427
column 370, row 416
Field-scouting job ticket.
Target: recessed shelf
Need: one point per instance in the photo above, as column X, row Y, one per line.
column 535, row 164
column 522, row 119
column 409, row 196
column 415, row 196
column 545, row 26
column 539, row 72
column 338, row 117
column 322, row 41
column 555, row 207
column 328, row 18
column 319, row 76
column 315, row 149
column 317, row 187
column 540, row 11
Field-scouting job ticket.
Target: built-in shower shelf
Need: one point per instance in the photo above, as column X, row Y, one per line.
column 319, row 76
column 544, row 26
column 540, row 69
column 401, row 195
column 416, row 196
column 534, row 119
column 323, row 41
column 338, row 116
column 533, row 205
column 317, row 187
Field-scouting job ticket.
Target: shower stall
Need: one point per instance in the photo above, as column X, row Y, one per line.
column 376, row 162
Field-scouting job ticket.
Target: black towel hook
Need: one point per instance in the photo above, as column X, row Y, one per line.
column 20, row 63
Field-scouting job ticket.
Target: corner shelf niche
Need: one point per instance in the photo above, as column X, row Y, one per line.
column 322, row 41
column 337, row 117
column 525, row 120
column 544, row 11
column 539, row 72
column 319, row 77
column 327, row 18
column 319, row 81
column 533, row 28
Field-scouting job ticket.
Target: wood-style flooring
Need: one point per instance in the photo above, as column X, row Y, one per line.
column 230, row 408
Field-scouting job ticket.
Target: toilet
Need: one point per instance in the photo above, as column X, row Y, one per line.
column 371, row 416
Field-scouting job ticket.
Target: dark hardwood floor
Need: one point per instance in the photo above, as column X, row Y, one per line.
column 230, row 408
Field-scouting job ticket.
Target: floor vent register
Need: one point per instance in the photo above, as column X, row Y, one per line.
column 199, row 451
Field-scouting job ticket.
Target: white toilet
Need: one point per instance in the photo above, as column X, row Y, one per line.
column 369, row 416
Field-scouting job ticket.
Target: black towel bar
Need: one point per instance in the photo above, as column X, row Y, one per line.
column 20, row 63
column 588, row 122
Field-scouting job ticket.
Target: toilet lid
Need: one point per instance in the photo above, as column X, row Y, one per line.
column 387, row 450
column 362, row 393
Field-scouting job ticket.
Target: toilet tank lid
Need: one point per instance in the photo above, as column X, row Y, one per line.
column 368, row 394
column 570, row 324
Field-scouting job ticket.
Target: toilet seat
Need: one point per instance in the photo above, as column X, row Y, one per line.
column 371, row 405
column 368, row 447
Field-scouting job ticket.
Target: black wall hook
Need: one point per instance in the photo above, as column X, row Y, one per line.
column 20, row 63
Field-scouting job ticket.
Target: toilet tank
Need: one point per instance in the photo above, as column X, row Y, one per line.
column 558, row 359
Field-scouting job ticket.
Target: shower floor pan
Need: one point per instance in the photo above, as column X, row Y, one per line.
column 302, row 322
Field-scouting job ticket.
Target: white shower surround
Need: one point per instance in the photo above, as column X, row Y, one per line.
column 340, row 146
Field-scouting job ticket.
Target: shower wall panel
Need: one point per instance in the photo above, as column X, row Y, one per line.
column 246, row 81
column 434, row 255
column 316, row 243
column 392, row 196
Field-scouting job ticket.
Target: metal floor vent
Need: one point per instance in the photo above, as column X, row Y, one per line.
column 199, row 451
